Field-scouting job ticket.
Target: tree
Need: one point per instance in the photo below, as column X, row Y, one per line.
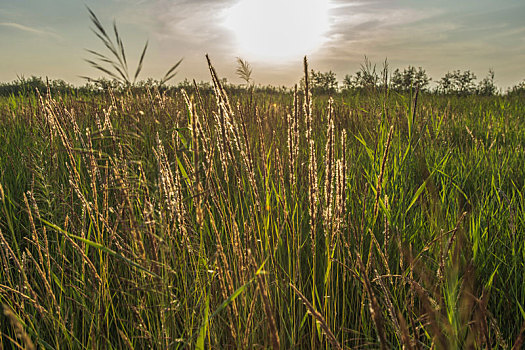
column 410, row 78
column 322, row 82
column 366, row 78
column 466, row 83
column 517, row 90
column 487, row 87
column 458, row 83
column 357, row 81
column 446, row 84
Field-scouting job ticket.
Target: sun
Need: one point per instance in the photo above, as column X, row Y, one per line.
column 278, row 30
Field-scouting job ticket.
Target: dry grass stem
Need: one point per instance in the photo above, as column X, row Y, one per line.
column 318, row 318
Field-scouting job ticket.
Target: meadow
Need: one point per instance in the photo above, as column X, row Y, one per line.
column 251, row 220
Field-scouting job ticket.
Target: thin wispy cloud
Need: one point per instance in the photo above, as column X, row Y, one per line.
column 196, row 23
column 365, row 21
column 434, row 35
column 439, row 36
column 28, row 29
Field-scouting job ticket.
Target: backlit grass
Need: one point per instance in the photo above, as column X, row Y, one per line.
column 253, row 220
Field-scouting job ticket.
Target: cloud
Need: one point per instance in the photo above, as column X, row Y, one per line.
column 438, row 36
column 370, row 27
column 363, row 21
column 28, row 29
column 196, row 23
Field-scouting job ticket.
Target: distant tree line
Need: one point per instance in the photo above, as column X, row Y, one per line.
column 367, row 79
column 24, row 86
column 28, row 86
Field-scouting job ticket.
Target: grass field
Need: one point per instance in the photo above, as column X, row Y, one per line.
column 259, row 220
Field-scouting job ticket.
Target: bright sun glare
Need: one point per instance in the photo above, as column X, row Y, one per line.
column 277, row 30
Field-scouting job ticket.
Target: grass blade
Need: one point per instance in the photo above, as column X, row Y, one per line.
column 204, row 328
column 100, row 247
column 319, row 319
column 120, row 45
column 168, row 74
column 141, row 60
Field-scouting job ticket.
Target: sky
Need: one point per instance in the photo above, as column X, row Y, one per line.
column 48, row 38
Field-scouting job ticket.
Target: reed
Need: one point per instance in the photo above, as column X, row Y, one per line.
column 247, row 219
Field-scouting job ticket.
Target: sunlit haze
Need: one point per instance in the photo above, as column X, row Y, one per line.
column 278, row 30
column 49, row 38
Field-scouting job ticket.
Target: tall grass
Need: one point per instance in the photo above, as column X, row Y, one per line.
column 292, row 221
